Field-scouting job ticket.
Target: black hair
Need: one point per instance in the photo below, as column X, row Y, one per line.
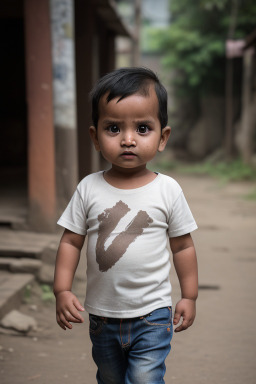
column 124, row 82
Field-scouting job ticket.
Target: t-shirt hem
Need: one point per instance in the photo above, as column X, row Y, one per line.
column 183, row 231
column 71, row 227
column 127, row 314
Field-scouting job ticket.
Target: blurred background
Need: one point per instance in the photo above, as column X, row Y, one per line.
column 54, row 51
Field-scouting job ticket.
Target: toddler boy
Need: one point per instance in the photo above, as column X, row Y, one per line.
column 129, row 213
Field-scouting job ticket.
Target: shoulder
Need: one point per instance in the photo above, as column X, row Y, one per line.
column 168, row 183
column 89, row 180
column 88, row 185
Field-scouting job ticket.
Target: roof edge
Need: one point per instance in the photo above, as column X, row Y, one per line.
column 108, row 11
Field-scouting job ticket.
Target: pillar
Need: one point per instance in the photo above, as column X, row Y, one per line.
column 41, row 151
column 84, row 58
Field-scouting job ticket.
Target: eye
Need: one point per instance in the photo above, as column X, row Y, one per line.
column 142, row 129
column 113, row 129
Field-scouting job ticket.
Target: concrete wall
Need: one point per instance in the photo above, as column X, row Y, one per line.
column 64, row 100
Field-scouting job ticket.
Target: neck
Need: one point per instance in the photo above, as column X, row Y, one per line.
column 129, row 178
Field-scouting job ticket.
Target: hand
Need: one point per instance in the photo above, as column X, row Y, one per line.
column 67, row 307
column 185, row 308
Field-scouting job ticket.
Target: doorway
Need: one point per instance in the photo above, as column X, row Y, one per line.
column 13, row 121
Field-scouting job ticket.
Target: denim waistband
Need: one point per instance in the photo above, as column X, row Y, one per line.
column 112, row 320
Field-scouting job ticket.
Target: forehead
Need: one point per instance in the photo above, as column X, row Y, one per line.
column 135, row 104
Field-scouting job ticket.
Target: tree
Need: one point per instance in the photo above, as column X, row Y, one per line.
column 195, row 41
column 194, row 45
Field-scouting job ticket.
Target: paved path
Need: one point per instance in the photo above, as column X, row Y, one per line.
column 221, row 345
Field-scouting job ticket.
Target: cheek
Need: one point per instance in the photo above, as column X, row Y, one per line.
column 151, row 147
column 107, row 145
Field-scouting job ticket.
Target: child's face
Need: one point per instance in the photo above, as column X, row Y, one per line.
column 129, row 131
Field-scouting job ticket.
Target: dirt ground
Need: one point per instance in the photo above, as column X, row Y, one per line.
column 221, row 345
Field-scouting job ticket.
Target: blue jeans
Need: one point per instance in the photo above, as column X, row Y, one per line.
column 131, row 351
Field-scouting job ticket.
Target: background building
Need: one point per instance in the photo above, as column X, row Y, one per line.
column 52, row 53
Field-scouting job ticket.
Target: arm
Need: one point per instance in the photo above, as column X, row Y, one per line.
column 185, row 262
column 68, row 255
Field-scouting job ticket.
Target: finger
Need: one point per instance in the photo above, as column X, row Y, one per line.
column 176, row 318
column 184, row 325
column 73, row 317
column 178, row 329
column 77, row 304
column 65, row 322
column 181, row 327
column 60, row 323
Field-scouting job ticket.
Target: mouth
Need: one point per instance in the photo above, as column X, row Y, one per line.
column 128, row 155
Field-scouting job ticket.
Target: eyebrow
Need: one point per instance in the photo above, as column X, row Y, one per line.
column 137, row 121
column 114, row 121
column 144, row 121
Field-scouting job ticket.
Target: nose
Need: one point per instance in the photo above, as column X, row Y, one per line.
column 128, row 139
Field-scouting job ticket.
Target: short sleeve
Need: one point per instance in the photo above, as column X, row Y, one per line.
column 74, row 217
column 181, row 219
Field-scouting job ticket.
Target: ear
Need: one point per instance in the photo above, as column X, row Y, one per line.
column 94, row 137
column 164, row 138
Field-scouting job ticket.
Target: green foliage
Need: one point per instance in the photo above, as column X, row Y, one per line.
column 27, row 293
column 251, row 195
column 226, row 171
column 149, row 39
column 47, row 294
column 234, row 170
column 194, row 44
column 36, row 291
column 210, row 5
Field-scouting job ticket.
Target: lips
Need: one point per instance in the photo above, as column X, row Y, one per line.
column 128, row 155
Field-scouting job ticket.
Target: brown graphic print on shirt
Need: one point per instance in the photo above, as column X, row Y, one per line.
column 108, row 220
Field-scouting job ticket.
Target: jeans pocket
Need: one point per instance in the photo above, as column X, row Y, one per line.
column 96, row 324
column 160, row 317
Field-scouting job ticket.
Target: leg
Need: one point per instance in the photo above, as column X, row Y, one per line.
column 107, row 352
column 151, row 337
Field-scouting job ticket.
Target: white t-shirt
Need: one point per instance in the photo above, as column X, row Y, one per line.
column 128, row 262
